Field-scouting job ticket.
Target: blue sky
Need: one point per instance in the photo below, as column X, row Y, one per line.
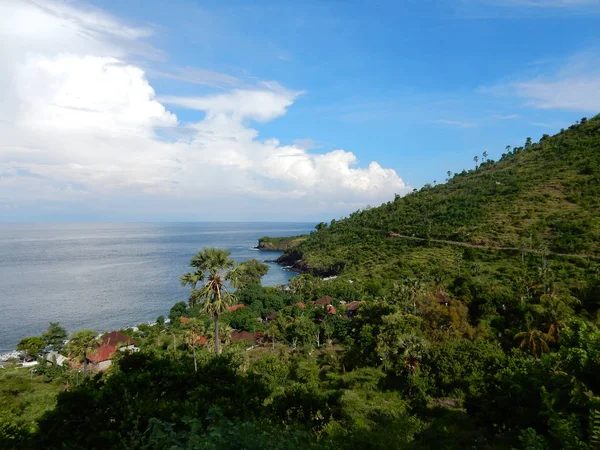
column 214, row 90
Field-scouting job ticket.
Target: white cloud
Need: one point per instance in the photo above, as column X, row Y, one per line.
column 573, row 87
column 572, row 93
column 80, row 125
column 507, row 117
column 455, row 123
column 200, row 76
column 263, row 105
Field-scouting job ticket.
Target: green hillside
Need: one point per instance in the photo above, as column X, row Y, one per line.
column 538, row 200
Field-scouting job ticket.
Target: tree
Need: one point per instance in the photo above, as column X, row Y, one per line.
column 272, row 332
column 414, row 347
column 31, row 346
column 247, row 273
column 535, row 342
column 458, row 258
column 507, row 148
column 476, row 159
column 321, row 226
column 449, row 173
column 80, row 343
column 485, row 155
column 193, row 332
column 213, row 296
column 55, row 335
column 177, row 311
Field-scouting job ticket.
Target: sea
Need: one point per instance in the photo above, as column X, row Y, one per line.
column 105, row 276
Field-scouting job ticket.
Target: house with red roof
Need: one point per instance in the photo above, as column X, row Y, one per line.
column 352, row 308
column 110, row 343
column 235, row 307
column 323, row 301
column 118, row 339
column 100, row 358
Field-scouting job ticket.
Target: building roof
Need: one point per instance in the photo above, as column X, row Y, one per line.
column 116, row 337
column 184, row 319
column 331, row 309
column 242, row 336
column 235, row 307
column 272, row 316
column 323, row 301
column 301, row 305
column 353, row 306
column 102, row 353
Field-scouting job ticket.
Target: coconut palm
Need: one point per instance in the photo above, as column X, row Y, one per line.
column 476, row 159
column 534, row 342
column 212, row 266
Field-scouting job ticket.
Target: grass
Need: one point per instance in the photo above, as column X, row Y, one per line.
column 26, row 396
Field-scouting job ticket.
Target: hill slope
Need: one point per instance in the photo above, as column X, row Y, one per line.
column 539, row 199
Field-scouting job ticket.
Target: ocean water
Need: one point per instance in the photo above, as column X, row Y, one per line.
column 104, row 276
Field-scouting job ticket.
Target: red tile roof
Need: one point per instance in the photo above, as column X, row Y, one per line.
column 116, row 337
column 353, row 306
column 184, row 319
column 272, row 316
column 102, row 353
column 324, row 301
column 331, row 309
column 301, row 305
column 235, row 307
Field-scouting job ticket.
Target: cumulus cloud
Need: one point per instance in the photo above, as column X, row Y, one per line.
column 80, row 124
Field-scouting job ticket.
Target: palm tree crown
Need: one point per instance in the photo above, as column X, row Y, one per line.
column 213, row 295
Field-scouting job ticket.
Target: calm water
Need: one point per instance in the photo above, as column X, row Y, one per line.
column 106, row 276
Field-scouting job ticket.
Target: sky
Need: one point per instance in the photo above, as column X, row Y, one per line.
column 277, row 110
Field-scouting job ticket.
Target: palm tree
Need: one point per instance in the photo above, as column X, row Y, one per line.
column 507, row 148
column 476, row 159
column 272, row 331
column 485, row 155
column 414, row 347
column 191, row 279
column 449, row 173
column 194, row 330
column 213, row 295
column 534, row 342
column 80, row 344
column 553, row 311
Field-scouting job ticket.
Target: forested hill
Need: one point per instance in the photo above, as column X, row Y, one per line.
column 538, row 198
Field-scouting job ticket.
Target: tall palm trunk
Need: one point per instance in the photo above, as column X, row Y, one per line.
column 217, row 339
column 195, row 362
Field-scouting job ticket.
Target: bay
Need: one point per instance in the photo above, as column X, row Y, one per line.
column 105, row 276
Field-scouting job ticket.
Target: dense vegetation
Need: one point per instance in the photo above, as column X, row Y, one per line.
column 279, row 243
column 461, row 316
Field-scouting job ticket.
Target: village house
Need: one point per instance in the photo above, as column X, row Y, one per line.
column 56, row 358
column 352, row 308
column 110, row 343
